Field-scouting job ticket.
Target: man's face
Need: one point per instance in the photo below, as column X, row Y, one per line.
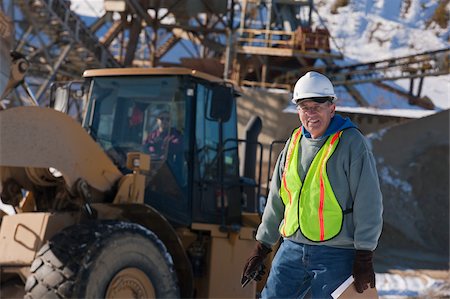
column 315, row 117
column 163, row 121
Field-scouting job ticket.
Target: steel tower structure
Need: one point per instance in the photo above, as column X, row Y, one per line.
column 264, row 43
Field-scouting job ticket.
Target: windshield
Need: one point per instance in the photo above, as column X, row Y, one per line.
column 136, row 113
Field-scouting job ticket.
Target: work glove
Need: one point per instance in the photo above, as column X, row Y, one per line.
column 363, row 270
column 254, row 267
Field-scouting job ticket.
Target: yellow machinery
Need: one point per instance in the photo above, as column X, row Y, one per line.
column 101, row 213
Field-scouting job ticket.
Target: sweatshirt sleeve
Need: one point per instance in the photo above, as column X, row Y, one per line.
column 273, row 214
column 366, row 193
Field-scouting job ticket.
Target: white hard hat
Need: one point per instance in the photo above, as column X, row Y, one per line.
column 313, row 85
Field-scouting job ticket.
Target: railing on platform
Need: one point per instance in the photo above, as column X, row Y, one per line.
column 303, row 39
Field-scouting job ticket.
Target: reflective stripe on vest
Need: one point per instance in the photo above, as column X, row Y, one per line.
column 310, row 205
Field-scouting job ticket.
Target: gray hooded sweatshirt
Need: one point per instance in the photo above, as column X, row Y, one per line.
column 353, row 177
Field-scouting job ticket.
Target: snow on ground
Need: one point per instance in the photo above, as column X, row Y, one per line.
column 412, row 284
column 436, row 88
column 375, row 96
column 371, row 30
column 380, row 29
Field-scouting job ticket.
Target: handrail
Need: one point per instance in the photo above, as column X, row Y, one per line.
column 298, row 39
column 270, row 162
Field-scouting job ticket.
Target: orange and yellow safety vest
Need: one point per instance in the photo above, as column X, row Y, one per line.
column 310, row 205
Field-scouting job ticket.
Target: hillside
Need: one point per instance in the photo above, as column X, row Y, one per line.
column 370, row 30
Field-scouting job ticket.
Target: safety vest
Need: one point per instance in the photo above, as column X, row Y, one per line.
column 310, row 205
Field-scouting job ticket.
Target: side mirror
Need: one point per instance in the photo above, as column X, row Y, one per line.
column 221, row 103
column 61, row 99
column 63, row 95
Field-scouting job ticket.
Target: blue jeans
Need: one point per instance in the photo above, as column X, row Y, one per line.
column 300, row 271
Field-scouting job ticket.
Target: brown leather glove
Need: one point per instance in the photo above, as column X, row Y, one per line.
column 254, row 267
column 363, row 270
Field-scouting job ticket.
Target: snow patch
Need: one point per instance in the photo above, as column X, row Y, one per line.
column 377, row 135
column 388, row 176
column 410, row 284
column 372, row 30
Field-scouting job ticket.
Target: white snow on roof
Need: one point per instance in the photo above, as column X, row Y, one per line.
column 408, row 113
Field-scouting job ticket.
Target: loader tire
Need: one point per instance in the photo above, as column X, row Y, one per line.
column 103, row 260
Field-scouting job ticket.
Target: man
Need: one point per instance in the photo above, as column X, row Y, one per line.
column 164, row 138
column 325, row 201
column 135, row 123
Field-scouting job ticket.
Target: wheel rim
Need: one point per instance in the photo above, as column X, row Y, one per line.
column 130, row 283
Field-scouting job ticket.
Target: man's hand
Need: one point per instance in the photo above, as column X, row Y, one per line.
column 363, row 270
column 254, row 267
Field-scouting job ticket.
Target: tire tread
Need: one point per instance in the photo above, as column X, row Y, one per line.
column 58, row 268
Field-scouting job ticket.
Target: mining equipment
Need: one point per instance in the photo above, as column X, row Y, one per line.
column 98, row 215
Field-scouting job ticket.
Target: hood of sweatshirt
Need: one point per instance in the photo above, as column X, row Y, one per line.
column 337, row 123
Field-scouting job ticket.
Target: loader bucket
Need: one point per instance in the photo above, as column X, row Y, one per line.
column 35, row 138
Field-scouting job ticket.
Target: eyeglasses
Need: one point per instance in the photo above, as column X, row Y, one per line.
column 164, row 118
column 312, row 108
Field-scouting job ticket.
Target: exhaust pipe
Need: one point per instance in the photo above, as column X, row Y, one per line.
column 248, row 164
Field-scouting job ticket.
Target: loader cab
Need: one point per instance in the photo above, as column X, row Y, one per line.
column 186, row 121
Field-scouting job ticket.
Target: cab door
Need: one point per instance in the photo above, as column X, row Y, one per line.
column 215, row 173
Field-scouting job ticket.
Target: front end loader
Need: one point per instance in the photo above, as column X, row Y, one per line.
column 100, row 214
